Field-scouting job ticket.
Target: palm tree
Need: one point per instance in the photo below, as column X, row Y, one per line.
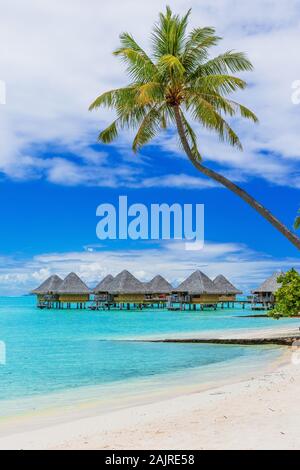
column 177, row 83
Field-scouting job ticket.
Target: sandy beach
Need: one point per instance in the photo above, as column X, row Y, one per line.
column 273, row 332
column 261, row 412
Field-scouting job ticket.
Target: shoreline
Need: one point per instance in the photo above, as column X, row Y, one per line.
column 280, row 335
column 279, row 341
column 281, row 338
column 209, row 419
column 162, row 420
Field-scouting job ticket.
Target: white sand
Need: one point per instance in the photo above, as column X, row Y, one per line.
column 274, row 331
column 260, row 413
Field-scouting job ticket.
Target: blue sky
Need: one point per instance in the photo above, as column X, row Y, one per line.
column 53, row 175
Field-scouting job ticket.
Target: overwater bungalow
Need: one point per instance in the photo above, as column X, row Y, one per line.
column 265, row 293
column 158, row 290
column 228, row 291
column 46, row 293
column 197, row 289
column 126, row 289
column 102, row 296
column 73, row 291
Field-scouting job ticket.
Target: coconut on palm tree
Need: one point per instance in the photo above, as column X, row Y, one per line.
column 179, row 82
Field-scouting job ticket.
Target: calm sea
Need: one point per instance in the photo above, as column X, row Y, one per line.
column 50, row 353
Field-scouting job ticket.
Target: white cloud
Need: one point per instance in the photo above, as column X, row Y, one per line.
column 176, row 181
column 241, row 265
column 57, row 58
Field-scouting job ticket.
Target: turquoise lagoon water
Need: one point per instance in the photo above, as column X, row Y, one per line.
column 50, row 352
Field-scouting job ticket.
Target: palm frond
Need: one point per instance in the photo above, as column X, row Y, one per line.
column 106, row 99
column 219, row 103
column 171, row 64
column 148, row 129
column 225, row 105
column 222, row 84
column 204, row 112
column 168, row 36
column 245, row 112
column 197, row 45
column 128, row 42
column 163, row 119
column 230, row 107
column 150, row 92
column 109, row 134
column 130, row 118
column 230, row 61
column 139, row 65
column 111, row 98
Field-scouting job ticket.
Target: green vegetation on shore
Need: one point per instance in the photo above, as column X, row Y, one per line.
column 288, row 295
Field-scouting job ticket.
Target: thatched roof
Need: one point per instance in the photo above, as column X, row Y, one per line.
column 158, row 285
column 198, row 283
column 104, row 285
column 270, row 284
column 224, row 286
column 72, row 284
column 49, row 286
column 126, row 283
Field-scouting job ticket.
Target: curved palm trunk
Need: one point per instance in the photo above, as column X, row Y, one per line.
column 233, row 187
